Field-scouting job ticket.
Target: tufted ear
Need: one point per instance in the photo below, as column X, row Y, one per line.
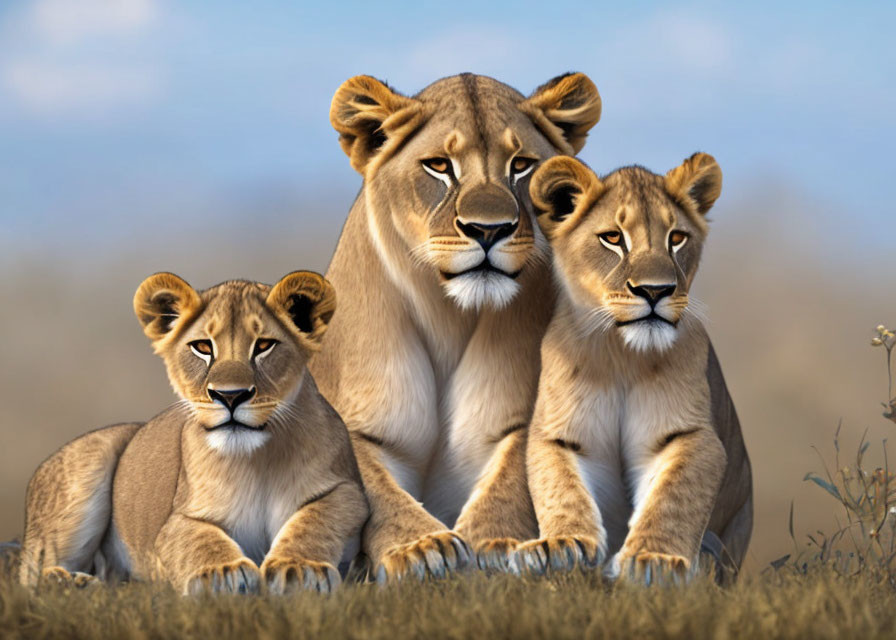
column 562, row 189
column 164, row 302
column 304, row 301
column 697, row 183
column 564, row 109
column 372, row 119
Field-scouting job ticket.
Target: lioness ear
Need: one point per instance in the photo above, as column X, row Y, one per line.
column 304, row 301
column 164, row 301
column 562, row 189
column 564, row 109
column 696, row 183
column 371, row 118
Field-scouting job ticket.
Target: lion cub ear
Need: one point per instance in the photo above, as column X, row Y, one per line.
column 562, row 189
column 304, row 301
column 697, row 183
column 163, row 302
column 564, row 109
column 371, row 119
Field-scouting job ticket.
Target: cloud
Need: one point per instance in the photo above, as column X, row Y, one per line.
column 478, row 49
column 64, row 21
column 679, row 42
column 81, row 59
column 48, row 87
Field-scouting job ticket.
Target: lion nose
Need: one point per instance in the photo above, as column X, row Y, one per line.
column 231, row 398
column 653, row 293
column 487, row 235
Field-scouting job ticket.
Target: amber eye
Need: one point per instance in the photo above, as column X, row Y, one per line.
column 263, row 345
column 202, row 347
column 611, row 237
column 677, row 239
column 438, row 165
column 520, row 164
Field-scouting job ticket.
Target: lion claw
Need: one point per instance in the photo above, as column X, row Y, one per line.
column 241, row 576
column 561, row 554
column 284, row 576
column 436, row 555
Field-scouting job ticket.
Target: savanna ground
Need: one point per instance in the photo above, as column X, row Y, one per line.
column 783, row 604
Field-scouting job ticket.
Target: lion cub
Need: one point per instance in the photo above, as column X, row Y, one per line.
column 634, row 447
column 249, row 480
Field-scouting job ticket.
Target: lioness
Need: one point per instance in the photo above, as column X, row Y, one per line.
column 634, row 432
column 445, row 293
column 249, row 480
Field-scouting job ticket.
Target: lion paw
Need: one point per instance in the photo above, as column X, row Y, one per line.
column 435, row 555
column 648, row 567
column 241, row 576
column 558, row 554
column 497, row 555
column 62, row 577
column 289, row 575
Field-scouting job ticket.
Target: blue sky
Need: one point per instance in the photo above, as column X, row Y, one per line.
column 113, row 112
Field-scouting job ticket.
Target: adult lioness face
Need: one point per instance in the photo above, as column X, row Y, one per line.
column 627, row 245
column 446, row 173
column 236, row 353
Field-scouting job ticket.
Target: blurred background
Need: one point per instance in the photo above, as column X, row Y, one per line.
column 146, row 135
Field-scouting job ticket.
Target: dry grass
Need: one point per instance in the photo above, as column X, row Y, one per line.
column 821, row 604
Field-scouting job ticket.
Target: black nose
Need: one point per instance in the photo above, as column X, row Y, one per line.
column 487, row 235
column 231, row 398
column 653, row 293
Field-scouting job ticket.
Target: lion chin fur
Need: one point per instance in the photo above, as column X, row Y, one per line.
column 478, row 290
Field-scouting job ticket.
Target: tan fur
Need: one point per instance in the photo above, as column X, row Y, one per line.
column 435, row 372
column 634, row 447
column 189, row 497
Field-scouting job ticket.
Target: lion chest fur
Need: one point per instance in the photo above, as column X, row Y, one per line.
column 169, row 467
column 616, row 410
column 437, row 386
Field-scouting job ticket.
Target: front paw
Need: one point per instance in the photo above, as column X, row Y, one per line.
column 435, row 555
column 60, row 576
column 558, row 554
column 241, row 576
column 291, row 575
column 497, row 555
column 649, row 567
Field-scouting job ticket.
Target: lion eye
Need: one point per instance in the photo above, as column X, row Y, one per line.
column 521, row 165
column 438, row 165
column 202, row 348
column 611, row 237
column 677, row 239
column 263, row 345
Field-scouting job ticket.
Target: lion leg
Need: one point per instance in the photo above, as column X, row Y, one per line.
column 401, row 538
column 198, row 556
column 734, row 541
column 569, row 521
column 499, row 513
column 69, row 504
column 308, row 547
column 673, row 501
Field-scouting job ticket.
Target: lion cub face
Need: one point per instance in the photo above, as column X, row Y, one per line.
column 446, row 172
column 626, row 246
column 236, row 353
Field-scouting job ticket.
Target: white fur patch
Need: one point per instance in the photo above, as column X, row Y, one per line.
column 249, row 415
column 236, row 440
column 649, row 335
column 481, row 288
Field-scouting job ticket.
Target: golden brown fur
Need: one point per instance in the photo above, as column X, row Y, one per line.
column 248, row 481
column 445, row 293
column 634, row 448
